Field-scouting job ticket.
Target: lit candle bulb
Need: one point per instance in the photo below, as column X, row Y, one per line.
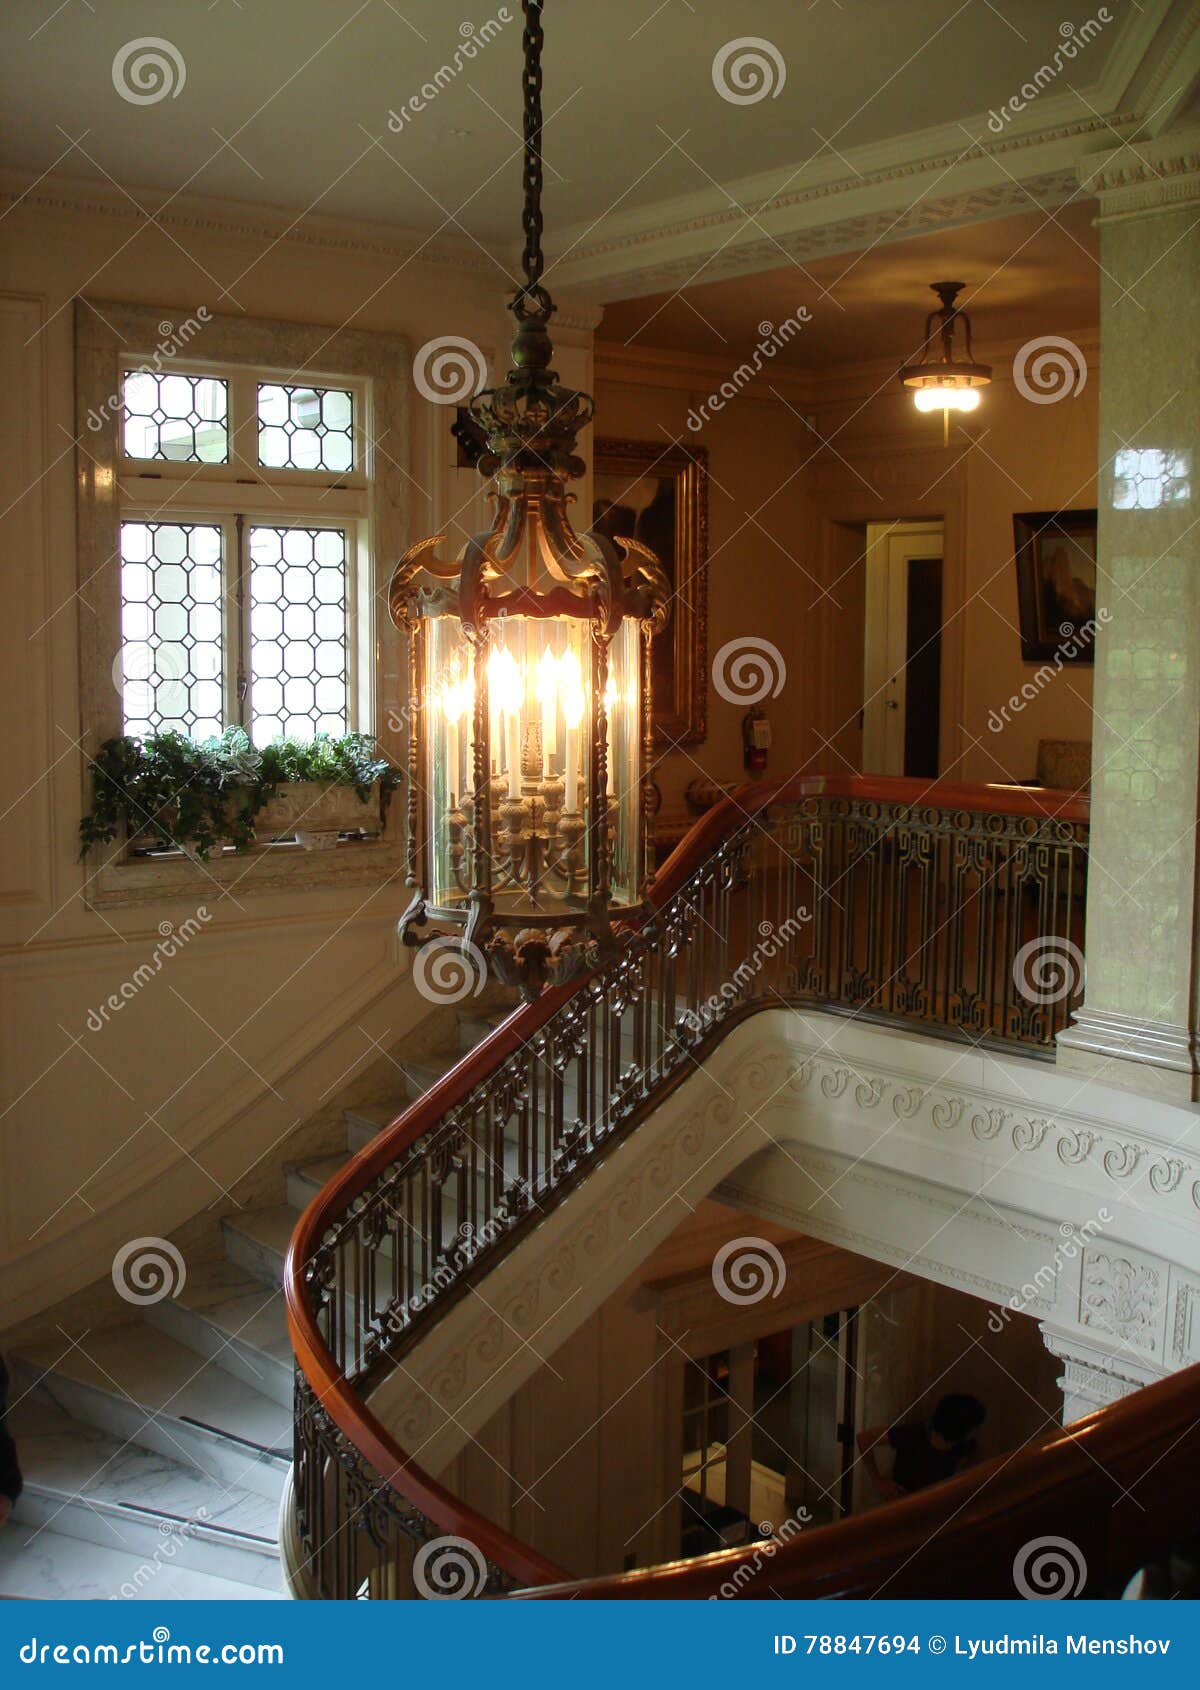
column 571, row 692
column 548, row 698
column 504, row 684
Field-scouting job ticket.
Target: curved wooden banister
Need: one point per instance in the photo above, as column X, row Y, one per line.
column 317, row 1364
column 1112, row 1482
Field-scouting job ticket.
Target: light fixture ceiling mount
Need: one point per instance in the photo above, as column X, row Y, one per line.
column 942, row 380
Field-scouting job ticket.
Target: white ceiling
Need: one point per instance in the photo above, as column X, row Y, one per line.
column 1032, row 274
column 286, row 102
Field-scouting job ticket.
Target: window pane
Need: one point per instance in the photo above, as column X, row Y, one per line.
column 170, row 666
column 299, row 662
column 184, row 418
column 305, row 427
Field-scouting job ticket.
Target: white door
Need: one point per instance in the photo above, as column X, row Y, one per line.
column 896, row 655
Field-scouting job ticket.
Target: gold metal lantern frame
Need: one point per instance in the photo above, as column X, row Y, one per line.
column 530, row 821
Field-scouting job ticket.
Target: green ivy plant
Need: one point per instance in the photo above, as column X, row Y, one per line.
column 201, row 794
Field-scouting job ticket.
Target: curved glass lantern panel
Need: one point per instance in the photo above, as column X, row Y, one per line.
column 623, row 699
column 538, row 755
column 446, row 766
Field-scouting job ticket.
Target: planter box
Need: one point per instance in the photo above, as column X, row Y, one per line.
column 307, row 810
column 316, row 814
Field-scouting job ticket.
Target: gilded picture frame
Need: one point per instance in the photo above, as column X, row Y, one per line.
column 657, row 492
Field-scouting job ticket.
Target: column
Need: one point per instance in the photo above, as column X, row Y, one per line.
column 1137, row 1026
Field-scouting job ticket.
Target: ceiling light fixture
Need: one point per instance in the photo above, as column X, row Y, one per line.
column 529, row 802
column 941, row 381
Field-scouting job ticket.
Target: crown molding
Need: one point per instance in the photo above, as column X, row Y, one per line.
column 1155, row 176
column 240, row 220
column 887, row 195
column 881, row 191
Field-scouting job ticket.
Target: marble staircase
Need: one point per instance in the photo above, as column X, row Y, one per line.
column 155, row 1452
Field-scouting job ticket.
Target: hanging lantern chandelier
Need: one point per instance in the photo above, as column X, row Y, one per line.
column 529, row 810
column 942, row 381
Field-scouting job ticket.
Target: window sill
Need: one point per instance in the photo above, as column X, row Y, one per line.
column 126, row 880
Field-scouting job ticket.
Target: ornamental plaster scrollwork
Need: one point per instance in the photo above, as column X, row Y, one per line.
column 1166, row 1175
column 1030, row 1135
column 947, row 1113
column 907, row 1101
column 1075, row 1146
column 1122, row 1160
column 1121, row 1298
column 869, row 1092
column 988, row 1123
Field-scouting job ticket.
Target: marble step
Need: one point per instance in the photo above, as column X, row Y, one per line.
column 231, row 1318
column 256, row 1240
column 85, row 1484
column 39, row 1564
column 141, row 1386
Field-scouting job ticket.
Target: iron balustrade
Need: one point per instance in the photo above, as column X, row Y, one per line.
column 882, row 898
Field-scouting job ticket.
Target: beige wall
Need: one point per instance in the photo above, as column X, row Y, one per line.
column 111, row 1135
column 788, row 526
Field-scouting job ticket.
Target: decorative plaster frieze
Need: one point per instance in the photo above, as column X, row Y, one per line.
column 950, row 1111
column 1138, row 180
column 1123, row 1298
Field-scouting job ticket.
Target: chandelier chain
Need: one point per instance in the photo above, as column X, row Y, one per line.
column 531, row 217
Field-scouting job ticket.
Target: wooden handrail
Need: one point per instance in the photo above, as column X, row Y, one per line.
column 1117, row 1484
column 319, row 1367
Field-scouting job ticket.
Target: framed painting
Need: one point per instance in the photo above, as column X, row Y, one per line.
column 1056, row 584
column 658, row 493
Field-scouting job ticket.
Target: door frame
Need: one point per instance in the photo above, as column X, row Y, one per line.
column 891, row 546
column 867, row 482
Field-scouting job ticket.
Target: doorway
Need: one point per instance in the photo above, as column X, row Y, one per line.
column 768, row 1433
column 902, row 654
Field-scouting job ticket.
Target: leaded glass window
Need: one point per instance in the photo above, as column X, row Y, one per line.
column 245, row 550
column 298, row 649
column 305, row 427
column 180, row 418
column 171, row 665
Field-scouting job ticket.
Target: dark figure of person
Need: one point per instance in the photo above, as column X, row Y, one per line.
column 924, row 1451
column 10, row 1472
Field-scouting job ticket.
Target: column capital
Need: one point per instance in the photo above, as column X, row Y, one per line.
column 1145, row 178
